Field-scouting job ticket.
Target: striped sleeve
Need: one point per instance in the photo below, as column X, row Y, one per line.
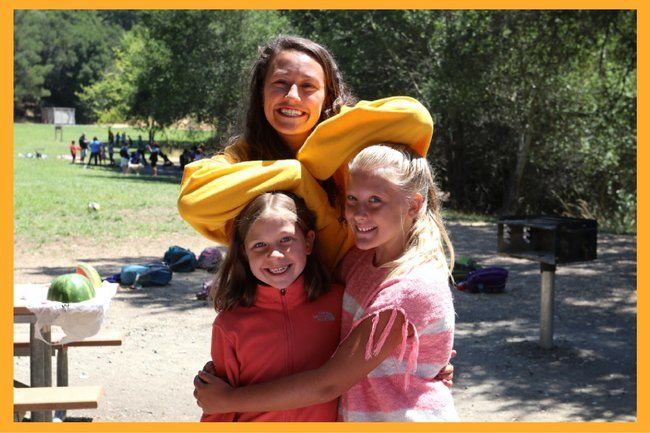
column 427, row 332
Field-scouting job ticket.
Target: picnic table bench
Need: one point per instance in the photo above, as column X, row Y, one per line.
column 55, row 398
column 103, row 338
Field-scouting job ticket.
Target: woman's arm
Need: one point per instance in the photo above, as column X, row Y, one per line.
column 347, row 367
column 214, row 191
column 398, row 119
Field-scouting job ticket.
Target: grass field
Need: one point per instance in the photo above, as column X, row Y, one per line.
column 51, row 195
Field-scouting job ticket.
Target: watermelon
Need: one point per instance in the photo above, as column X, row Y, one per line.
column 89, row 272
column 70, row 288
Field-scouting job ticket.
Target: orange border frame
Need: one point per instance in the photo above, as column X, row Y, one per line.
column 6, row 217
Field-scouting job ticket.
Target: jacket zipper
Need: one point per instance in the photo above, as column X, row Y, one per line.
column 288, row 335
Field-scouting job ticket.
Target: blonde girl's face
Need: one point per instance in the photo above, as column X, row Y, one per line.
column 294, row 94
column 277, row 250
column 379, row 215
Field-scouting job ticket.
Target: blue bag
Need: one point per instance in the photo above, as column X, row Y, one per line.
column 180, row 260
column 152, row 274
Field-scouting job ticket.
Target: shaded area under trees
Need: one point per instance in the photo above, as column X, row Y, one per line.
column 535, row 111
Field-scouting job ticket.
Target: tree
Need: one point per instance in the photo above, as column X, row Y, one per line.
column 197, row 64
column 534, row 110
column 60, row 51
column 29, row 70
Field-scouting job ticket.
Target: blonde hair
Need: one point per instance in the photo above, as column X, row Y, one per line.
column 427, row 239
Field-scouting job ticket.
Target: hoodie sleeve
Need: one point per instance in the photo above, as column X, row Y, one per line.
column 334, row 142
column 214, row 191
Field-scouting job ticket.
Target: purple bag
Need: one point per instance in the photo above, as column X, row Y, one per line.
column 210, row 258
column 486, row 280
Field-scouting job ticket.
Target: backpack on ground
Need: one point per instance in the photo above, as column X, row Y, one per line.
column 486, row 280
column 180, row 259
column 151, row 274
column 210, row 258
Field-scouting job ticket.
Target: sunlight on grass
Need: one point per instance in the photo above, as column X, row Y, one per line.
column 51, row 195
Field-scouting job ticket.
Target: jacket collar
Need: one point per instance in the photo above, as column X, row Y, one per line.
column 272, row 297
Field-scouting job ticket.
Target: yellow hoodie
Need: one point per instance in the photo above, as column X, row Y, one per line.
column 214, row 191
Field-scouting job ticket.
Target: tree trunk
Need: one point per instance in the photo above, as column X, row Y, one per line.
column 511, row 198
column 456, row 164
column 152, row 130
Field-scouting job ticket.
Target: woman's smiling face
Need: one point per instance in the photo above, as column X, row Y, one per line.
column 294, row 94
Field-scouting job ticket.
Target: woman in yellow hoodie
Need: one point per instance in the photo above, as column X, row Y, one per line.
column 295, row 88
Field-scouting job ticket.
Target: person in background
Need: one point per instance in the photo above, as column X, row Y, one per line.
column 73, row 151
column 124, row 158
column 135, row 162
column 102, row 153
column 185, row 158
column 95, row 150
column 153, row 158
column 142, row 149
column 111, row 145
column 83, row 145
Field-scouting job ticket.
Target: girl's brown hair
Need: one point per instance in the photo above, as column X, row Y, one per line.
column 264, row 143
column 235, row 284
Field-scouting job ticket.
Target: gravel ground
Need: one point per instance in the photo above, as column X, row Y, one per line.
column 501, row 372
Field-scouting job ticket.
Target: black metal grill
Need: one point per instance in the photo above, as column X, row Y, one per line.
column 549, row 240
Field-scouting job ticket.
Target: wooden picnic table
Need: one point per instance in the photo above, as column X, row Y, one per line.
column 40, row 358
column 40, row 350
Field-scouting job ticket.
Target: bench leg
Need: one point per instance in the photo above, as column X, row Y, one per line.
column 40, row 364
column 61, row 375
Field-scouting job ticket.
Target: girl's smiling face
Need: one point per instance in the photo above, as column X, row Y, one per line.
column 277, row 249
column 294, row 94
column 379, row 214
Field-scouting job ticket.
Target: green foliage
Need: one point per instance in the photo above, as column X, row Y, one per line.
column 111, row 98
column 29, row 70
column 196, row 68
column 535, row 110
column 60, row 51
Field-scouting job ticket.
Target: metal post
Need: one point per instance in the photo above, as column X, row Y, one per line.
column 546, row 306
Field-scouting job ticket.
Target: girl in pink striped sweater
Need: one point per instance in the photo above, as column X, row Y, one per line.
column 398, row 315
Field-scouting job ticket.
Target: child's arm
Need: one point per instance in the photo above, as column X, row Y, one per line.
column 224, row 365
column 347, row 367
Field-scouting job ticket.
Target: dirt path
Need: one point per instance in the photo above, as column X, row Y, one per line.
column 501, row 373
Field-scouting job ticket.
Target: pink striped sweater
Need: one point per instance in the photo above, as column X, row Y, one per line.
column 402, row 387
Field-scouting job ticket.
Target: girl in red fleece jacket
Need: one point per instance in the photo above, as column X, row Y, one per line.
column 277, row 313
